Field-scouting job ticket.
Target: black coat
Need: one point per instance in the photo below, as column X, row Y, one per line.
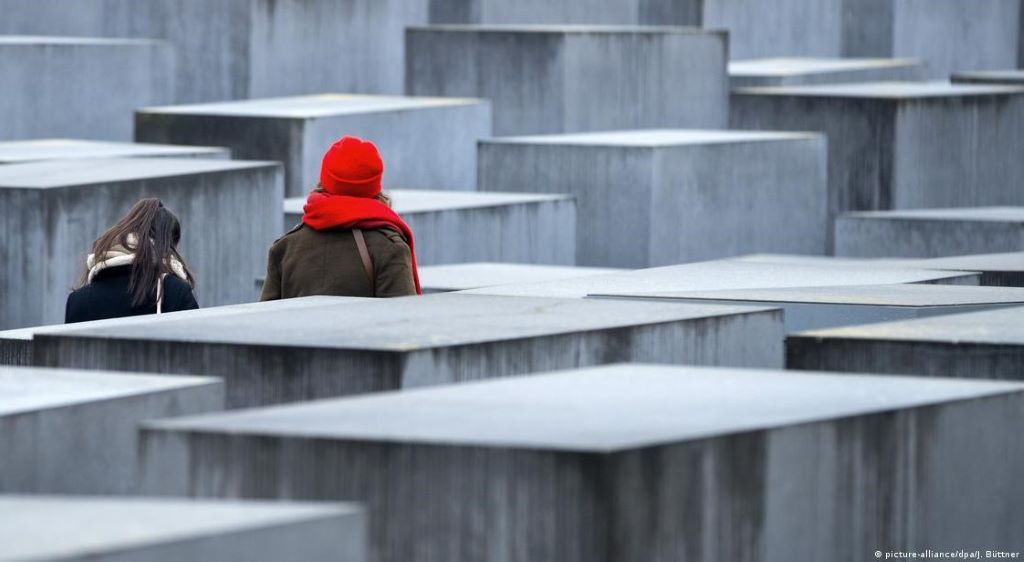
column 108, row 297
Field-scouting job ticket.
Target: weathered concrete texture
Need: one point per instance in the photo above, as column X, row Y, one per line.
column 557, row 79
column 996, row 270
column 74, row 432
column 928, row 233
column 76, row 87
column 425, row 142
column 247, row 48
column 812, row 308
column 655, row 197
column 16, row 346
column 465, row 276
column 979, row 345
column 17, row 152
column 729, row 274
column 809, row 70
column 52, row 211
column 86, row 529
column 1008, row 77
column 903, row 145
column 458, row 227
column 674, row 463
column 293, row 355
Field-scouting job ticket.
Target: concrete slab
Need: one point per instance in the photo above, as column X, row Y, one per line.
column 52, row 211
column 928, row 233
column 84, row 529
column 979, row 345
column 792, row 71
column 293, row 355
column 80, row 87
column 903, row 145
column 426, row 143
column 247, row 48
column 1008, row 77
column 74, row 432
column 557, row 79
column 654, row 197
column 812, row 308
column 458, row 227
column 607, row 451
column 17, row 152
column 16, row 346
column 728, row 274
column 996, row 270
column 466, row 276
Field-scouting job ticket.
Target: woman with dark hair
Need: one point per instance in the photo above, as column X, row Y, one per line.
column 134, row 269
column 350, row 242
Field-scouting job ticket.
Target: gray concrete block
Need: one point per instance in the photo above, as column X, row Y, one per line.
column 74, row 432
column 710, row 464
column 796, row 71
column 17, row 152
column 1007, row 77
column 813, row 308
column 466, row 276
column 87, row 529
column 655, row 197
column 247, row 48
column 978, row 345
column 457, row 227
column 426, row 143
column 729, row 274
column 52, row 211
column 293, row 355
column 903, row 145
column 557, row 79
column 76, row 87
column 16, row 346
column 995, row 270
column 929, row 233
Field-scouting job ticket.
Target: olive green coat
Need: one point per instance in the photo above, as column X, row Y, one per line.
column 307, row 262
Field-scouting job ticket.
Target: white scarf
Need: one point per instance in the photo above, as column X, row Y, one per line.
column 119, row 255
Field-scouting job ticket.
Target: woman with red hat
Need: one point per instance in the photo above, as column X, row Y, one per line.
column 350, row 242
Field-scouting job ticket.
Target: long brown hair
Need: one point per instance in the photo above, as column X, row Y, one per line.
column 148, row 220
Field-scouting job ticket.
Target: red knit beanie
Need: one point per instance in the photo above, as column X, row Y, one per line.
column 352, row 167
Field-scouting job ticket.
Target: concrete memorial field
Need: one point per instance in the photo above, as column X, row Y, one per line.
column 429, row 143
column 793, row 71
column 931, row 233
column 284, row 355
column 74, row 432
column 655, row 456
column 18, row 152
column 54, row 210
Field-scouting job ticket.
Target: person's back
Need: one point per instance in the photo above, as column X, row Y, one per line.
column 350, row 242
column 125, row 278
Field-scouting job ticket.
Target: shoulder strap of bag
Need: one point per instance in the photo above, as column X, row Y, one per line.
column 364, row 254
column 160, row 294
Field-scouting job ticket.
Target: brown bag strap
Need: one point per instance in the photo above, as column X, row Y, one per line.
column 364, row 254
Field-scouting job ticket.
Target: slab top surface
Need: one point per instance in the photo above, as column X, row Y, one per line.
column 1004, row 261
column 721, row 275
column 427, row 201
column 600, row 409
column 7, row 40
column 56, row 149
column 65, row 527
column 1010, row 76
column 885, row 90
column 654, row 138
column 70, row 173
column 900, row 295
column 462, row 276
column 799, row 66
column 413, row 323
column 306, row 107
column 985, row 214
column 1003, row 326
column 28, row 389
column 138, row 322
column 567, row 29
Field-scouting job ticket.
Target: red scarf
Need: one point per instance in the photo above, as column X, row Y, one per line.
column 324, row 211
